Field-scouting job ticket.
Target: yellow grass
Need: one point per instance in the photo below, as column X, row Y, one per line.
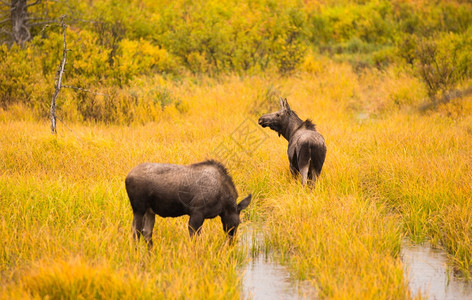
column 391, row 172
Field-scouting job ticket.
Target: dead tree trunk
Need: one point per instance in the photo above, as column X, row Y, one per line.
column 58, row 81
column 19, row 18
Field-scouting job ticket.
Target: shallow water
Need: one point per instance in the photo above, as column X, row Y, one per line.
column 425, row 267
column 428, row 273
column 266, row 279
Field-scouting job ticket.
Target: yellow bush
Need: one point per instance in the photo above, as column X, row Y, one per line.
column 141, row 57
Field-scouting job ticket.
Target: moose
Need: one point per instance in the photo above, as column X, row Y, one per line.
column 306, row 146
column 202, row 190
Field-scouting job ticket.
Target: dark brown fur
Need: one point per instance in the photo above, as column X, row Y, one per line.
column 203, row 191
column 307, row 124
column 306, row 146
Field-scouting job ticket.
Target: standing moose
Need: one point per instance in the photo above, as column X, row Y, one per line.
column 203, row 191
column 306, row 146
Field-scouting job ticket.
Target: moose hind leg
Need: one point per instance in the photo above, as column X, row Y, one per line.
column 304, row 174
column 149, row 219
column 312, row 177
column 304, row 160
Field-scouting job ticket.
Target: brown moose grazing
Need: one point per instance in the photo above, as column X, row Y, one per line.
column 306, row 146
column 203, row 191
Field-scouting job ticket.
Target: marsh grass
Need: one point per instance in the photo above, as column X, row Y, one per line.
column 65, row 218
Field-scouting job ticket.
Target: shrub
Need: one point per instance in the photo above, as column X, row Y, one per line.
column 444, row 63
column 141, row 57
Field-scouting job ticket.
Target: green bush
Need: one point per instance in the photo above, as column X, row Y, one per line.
column 443, row 63
column 113, row 42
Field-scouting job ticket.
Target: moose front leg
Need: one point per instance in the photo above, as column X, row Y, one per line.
column 293, row 170
column 195, row 223
column 149, row 219
column 292, row 159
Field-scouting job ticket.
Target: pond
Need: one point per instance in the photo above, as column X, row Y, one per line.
column 428, row 273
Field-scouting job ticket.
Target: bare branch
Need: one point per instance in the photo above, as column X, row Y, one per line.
column 5, row 3
column 63, row 123
column 83, row 21
column 42, row 23
column 58, row 82
column 34, row 19
column 4, row 21
column 84, row 90
column 46, row 25
column 34, row 3
column 6, row 32
column 43, row 29
column 9, row 9
column 27, row 31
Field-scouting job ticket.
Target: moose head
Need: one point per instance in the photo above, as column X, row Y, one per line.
column 279, row 120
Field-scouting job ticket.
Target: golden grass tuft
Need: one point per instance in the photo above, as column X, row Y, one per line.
column 76, row 279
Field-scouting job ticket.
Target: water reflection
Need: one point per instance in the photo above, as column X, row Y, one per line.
column 267, row 280
column 427, row 273
column 264, row 278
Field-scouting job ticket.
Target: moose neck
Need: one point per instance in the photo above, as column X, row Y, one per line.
column 292, row 125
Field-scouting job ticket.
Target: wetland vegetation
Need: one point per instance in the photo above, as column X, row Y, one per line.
column 179, row 82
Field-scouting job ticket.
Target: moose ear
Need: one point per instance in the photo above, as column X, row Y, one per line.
column 281, row 102
column 244, row 203
column 287, row 107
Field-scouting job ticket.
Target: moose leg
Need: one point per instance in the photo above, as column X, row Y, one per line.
column 317, row 160
column 304, row 159
column 304, row 174
column 293, row 170
column 312, row 177
column 195, row 223
column 137, row 227
column 149, row 219
column 230, row 224
column 292, row 157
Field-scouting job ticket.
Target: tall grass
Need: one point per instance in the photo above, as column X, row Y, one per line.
column 391, row 172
